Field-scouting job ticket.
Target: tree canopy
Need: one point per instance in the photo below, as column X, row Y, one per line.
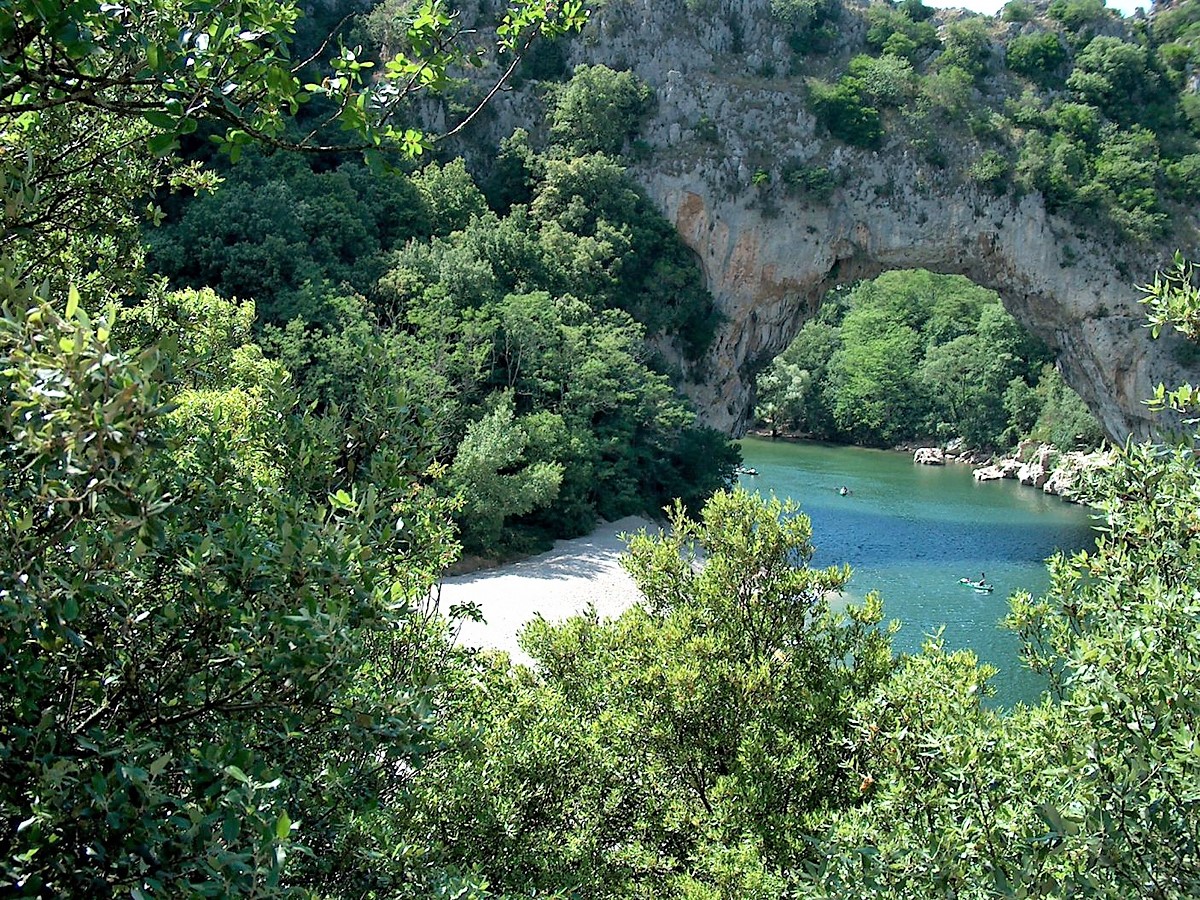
column 228, row 490
column 912, row 355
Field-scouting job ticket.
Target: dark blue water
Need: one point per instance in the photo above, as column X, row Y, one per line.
column 911, row 532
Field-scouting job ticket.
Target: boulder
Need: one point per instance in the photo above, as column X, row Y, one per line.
column 1033, row 474
column 988, row 473
column 929, row 456
column 1062, row 481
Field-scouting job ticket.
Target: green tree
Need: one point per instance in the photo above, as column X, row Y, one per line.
column 1075, row 14
column 872, row 379
column 190, row 621
column 1017, row 11
column 843, row 109
column 1036, row 56
column 686, row 745
column 887, row 80
column 279, row 233
column 94, row 101
column 1085, row 794
column 966, row 45
column 451, row 196
column 598, row 110
column 791, row 393
column 891, row 30
column 494, row 480
column 1063, row 419
column 964, row 380
column 1124, row 183
column 801, row 15
column 183, row 63
column 1113, row 75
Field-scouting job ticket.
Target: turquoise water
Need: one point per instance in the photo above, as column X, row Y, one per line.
column 910, row 532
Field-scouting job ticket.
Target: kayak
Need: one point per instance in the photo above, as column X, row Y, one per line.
column 979, row 586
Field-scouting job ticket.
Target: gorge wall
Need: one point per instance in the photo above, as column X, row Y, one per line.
column 711, row 155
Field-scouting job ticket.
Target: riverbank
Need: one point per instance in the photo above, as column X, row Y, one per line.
column 1044, row 467
column 1033, row 464
column 557, row 584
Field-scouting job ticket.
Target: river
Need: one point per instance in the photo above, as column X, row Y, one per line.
column 910, row 532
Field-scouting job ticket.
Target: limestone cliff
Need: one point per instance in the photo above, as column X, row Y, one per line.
column 725, row 122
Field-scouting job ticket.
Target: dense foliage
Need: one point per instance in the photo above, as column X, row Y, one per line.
column 223, row 669
column 1094, row 112
column 215, row 615
column 221, row 653
column 526, row 330
column 915, row 355
column 684, row 749
column 672, row 753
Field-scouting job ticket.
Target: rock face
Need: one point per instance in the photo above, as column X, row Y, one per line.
column 769, row 277
column 713, row 160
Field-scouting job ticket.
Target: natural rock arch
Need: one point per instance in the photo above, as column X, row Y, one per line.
column 729, row 113
column 769, row 276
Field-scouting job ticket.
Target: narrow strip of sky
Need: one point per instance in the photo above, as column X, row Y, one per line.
column 991, row 7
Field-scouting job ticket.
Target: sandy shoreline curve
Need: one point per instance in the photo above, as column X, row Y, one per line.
column 558, row 584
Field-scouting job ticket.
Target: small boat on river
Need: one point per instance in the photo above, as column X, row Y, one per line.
column 981, row 587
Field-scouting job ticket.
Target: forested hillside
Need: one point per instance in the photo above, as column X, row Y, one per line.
column 1096, row 113
column 525, row 332
column 254, row 406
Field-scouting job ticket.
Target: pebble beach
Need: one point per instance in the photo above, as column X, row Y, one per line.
column 557, row 584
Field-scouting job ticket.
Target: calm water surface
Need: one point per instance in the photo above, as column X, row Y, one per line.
column 912, row 531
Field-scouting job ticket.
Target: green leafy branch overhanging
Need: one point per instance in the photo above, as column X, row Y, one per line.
column 175, row 63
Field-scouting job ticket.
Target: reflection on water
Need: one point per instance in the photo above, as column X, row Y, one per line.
column 911, row 532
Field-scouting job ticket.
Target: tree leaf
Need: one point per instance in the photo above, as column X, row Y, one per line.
column 237, row 774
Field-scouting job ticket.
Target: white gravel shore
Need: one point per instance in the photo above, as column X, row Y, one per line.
column 557, row 584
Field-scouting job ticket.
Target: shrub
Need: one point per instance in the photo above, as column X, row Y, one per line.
column 915, row 10
column 991, row 170
column 887, row 80
column 1174, row 59
column 967, row 46
column 883, row 22
column 1018, row 11
column 195, row 652
column 598, row 109
column 1184, row 177
column 706, row 130
column 1075, row 14
column 1078, row 120
column 1112, row 74
column 842, row 109
column 815, row 181
column 1064, row 420
column 1035, row 56
column 949, row 91
column 800, row 14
